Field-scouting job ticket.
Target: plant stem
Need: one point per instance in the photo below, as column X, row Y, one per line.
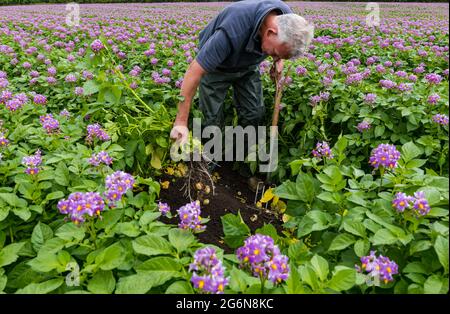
column 381, row 179
column 263, row 280
column 90, row 227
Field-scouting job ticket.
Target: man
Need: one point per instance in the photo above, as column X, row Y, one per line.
column 231, row 48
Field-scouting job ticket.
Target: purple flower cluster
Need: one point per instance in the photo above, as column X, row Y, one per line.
column 263, row 258
column 32, row 162
column 39, row 99
column 102, row 157
column 163, row 208
column 179, row 82
column 404, row 87
column 3, row 83
column 81, row 205
column 117, row 185
column 264, row 66
column 387, row 84
column 49, row 123
column 384, row 155
column 87, row 75
column 433, row 99
column 95, row 131
column 5, row 96
column 401, row 201
column 136, row 71
column 301, row 70
column 158, row 79
column 97, row 45
column 323, row 96
column 418, row 203
column 79, row 91
column 190, row 217
column 440, row 119
column 208, row 272
column 322, row 150
column 13, row 103
column 64, row 113
column 380, row 267
column 421, row 206
column 3, row 140
column 70, row 78
column 433, row 78
column 364, row 125
column 370, row 98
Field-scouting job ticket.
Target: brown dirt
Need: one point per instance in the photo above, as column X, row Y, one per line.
column 231, row 194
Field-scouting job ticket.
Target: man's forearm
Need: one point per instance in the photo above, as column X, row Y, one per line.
column 189, row 87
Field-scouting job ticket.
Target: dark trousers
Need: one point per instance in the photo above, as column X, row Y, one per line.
column 247, row 98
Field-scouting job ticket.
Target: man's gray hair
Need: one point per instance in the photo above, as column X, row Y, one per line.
column 295, row 31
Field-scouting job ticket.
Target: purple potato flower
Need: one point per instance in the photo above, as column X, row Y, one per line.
column 433, row 99
column 95, row 131
column 402, row 201
column 208, row 272
column 80, row 206
column 190, row 217
column 49, row 123
column 384, row 155
column 380, row 267
column 32, row 163
column 322, row 150
column 263, row 258
column 364, row 125
column 163, row 208
column 117, row 184
column 421, row 205
column 440, row 119
column 101, row 157
column 97, row 45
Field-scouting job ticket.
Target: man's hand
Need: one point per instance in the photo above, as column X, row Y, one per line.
column 180, row 131
column 276, row 70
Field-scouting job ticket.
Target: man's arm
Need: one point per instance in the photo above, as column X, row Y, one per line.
column 214, row 51
column 189, row 87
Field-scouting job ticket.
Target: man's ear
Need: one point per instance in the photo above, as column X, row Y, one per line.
column 271, row 31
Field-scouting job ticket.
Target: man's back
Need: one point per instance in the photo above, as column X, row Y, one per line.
column 230, row 41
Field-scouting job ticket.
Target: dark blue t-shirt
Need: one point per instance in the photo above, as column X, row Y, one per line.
column 230, row 42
